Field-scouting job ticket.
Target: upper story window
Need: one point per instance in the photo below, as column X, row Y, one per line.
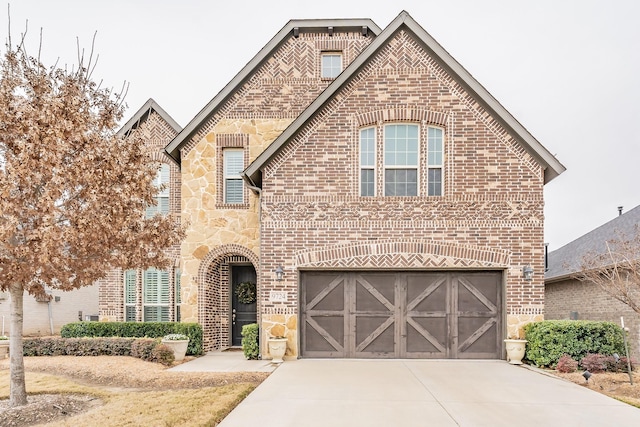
column 368, row 162
column 434, row 170
column 162, row 198
column 401, row 150
column 401, row 160
column 233, row 167
column 331, row 65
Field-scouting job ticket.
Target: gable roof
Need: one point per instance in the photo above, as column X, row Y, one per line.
column 552, row 167
column 563, row 262
column 143, row 114
column 295, row 25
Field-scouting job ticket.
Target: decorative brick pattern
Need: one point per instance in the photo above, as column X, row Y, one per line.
column 287, row 82
column 403, row 254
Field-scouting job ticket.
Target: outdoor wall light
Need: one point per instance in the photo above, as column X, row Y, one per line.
column 527, row 273
column 279, row 273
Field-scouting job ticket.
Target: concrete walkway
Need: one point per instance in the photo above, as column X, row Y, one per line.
column 225, row 361
column 385, row 393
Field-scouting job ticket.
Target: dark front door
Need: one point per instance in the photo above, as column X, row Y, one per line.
column 241, row 313
column 401, row 315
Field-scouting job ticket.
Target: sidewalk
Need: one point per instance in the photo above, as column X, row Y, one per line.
column 225, row 361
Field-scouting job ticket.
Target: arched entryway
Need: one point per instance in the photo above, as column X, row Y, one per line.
column 221, row 314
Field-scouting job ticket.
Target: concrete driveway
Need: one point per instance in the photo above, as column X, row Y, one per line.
column 389, row 393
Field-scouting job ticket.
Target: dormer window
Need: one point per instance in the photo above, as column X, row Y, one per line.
column 331, row 65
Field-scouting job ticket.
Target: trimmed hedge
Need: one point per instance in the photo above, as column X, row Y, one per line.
column 54, row 346
column 137, row 330
column 549, row 340
column 149, row 349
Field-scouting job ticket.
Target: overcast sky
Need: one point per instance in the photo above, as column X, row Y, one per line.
column 568, row 70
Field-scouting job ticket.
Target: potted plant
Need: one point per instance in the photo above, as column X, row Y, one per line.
column 4, row 346
column 277, row 348
column 515, row 349
column 177, row 343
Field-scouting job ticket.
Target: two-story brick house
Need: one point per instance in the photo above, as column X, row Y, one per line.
column 383, row 201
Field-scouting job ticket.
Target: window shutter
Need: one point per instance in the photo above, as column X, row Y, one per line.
column 130, row 287
column 163, row 288
column 233, row 162
column 151, row 286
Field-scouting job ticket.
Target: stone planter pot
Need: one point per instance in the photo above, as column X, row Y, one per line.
column 4, row 348
column 277, row 349
column 515, row 350
column 179, row 347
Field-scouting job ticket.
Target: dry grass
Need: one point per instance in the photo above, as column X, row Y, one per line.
column 128, row 392
column 201, row 407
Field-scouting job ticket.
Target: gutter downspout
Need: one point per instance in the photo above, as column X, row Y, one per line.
column 258, row 191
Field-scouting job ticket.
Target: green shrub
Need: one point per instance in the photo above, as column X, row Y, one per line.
column 250, row 345
column 137, row 330
column 551, row 339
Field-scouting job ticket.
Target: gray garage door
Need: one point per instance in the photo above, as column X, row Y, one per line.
column 401, row 315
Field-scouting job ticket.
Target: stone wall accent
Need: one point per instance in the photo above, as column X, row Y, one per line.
column 590, row 302
column 283, row 324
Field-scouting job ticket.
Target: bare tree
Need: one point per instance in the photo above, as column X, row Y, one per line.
column 616, row 269
column 72, row 193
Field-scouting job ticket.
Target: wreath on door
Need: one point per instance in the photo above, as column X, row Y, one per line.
column 246, row 292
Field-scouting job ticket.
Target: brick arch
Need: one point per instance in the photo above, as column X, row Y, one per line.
column 214, row 300
column 401, row 113
column 404, row 254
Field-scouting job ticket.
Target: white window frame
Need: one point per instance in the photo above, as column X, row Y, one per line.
column 232, row 175
column 386, row 166
column 369, row 167
column 436, row 163
column 330, row 71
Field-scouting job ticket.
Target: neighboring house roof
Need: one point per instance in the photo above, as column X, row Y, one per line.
column 302, row 25
column 552, row 167
column 143, row 114
column 564, row 262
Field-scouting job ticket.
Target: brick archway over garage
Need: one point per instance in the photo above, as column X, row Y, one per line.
column 404, row 254
column 213, row 292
